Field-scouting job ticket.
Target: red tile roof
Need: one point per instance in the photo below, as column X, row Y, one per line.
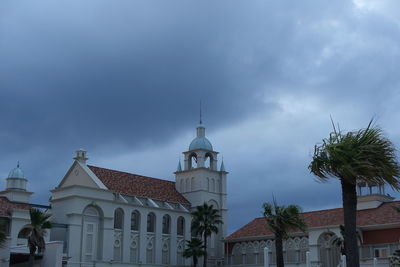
column 7, row 206
column 137, row 185
column 384, row 214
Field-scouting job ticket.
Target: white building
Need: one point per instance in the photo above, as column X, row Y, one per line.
column 111, row 218
column 378, row 225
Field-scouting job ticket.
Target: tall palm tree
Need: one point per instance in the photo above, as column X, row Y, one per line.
column 39, row 223
column 195, row 249
column 205, row 222
column 281, row 220
column 365, row 155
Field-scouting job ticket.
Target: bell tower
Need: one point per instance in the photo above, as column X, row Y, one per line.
column 200, row 182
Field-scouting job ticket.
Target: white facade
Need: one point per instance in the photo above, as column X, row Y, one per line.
column 102, row 227
column 200, row 182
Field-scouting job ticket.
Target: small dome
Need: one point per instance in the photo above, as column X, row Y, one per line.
column 16, row 173
column 200, row 143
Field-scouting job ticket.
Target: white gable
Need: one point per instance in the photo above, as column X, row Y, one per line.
column 80, row 174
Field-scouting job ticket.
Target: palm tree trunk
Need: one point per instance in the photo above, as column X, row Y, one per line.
column 349, row 195
column 279, row 251
column 194, row 261
column 205, row 248
column 31, row 261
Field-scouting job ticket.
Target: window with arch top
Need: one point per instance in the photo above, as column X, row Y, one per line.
column 166, row 224
column 208, row 161
column 151, row 222
column 135, row 220
column 119, row 219
column 180, row 226
column 192, row 161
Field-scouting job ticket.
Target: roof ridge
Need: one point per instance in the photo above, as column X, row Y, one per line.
column 331, row 209
column 144, row 176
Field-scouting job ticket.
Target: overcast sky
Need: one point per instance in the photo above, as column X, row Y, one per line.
column 123, row 80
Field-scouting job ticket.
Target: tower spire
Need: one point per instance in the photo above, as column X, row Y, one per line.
column 201, row 121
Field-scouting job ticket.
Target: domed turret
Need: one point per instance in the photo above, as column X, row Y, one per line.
column 201, row 142
column 16, row 179
column 16, row 173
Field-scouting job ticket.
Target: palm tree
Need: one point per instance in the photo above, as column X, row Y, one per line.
column 281, row 220
column 195, row 249
column 205, row 222
column 365, row 155
column 39, row 223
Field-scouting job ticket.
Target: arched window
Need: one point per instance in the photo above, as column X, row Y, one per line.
column 118, row 233
column 180, row 226
column 237, row 255
column 291, row 251
column 250, row 254
column 192, row 161
column 23, row 236
column 135, row 220
column 119, row 219
column 166, row 224
column 208, row 161
column 212, row 185
column 151, row 222
column 329, row 253
column 134, row 237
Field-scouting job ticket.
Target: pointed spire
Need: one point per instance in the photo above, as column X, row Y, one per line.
column 201, row 121
column 222, row 169
column 18, row 164
column 179, row 169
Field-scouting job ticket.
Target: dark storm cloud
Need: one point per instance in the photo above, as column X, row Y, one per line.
column 126, row 77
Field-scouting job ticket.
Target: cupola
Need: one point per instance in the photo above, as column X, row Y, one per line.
column 16, row 179
column 201, row 142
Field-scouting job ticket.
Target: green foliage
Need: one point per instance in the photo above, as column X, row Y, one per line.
column 364, row 155
column 205, row 222
column 39, row 223
column 194, row 249
column 282, row 219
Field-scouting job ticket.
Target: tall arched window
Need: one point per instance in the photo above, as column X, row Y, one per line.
column 166, row 224
column 212, row 185
column 23, row 236
column 151, row 222
column 135, row 220
column 209, row 160
column 180, row 226
column 192, row 161
column 118, row 233
column 119, row 219
column 135, row 237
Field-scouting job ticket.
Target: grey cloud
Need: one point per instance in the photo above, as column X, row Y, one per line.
column 121, row 76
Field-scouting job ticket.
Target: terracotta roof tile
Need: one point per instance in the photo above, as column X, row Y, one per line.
column 137, row 185
column 384, row 214
column 7, row 206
